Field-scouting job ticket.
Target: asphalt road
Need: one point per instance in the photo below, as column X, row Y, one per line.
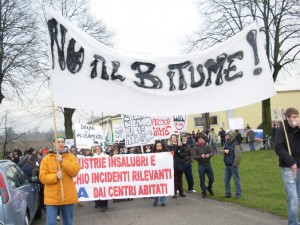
column 192, row 210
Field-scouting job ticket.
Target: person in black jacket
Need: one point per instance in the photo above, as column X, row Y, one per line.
column 180, row 156
column 288, row 151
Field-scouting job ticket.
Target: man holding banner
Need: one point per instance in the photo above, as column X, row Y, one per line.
column 287, row 147
column 56, row 173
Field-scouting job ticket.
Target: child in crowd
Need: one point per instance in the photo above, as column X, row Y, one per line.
column 158, row 148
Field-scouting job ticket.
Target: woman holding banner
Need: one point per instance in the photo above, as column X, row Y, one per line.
column 179, row 156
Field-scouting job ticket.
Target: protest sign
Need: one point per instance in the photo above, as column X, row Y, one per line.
column 69, row 143
column 138, row 130
column 119, row 132
column 164, row 126
column 88, row 135
column 125, row 176
column 236, row 123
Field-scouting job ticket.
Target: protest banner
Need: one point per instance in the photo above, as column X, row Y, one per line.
column 88, row 135
column 138, row 130
column 86, row 74
column 125, row 176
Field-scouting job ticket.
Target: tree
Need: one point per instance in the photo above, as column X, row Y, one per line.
column 77, row 12
column 17, row 48
column 280, row 24
column 7, row 134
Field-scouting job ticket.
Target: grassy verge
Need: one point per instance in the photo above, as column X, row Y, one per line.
column 262, row 185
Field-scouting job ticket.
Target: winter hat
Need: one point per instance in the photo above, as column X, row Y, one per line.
column 231, row 135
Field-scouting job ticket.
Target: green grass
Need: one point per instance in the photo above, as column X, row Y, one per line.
column 261, row 182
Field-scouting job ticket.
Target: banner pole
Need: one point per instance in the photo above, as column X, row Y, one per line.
column 56, row 146
column 284, row 129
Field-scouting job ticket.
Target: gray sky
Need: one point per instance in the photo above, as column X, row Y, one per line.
column 147, row 27
column 151, row 27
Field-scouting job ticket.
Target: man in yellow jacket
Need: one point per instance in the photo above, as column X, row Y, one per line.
column 56, row 173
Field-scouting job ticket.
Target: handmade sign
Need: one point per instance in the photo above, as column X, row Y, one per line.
column 163, row 127
column 88, row 135
column 119, row 132
column 125, row 176
column 86, row 74
column 138, row 130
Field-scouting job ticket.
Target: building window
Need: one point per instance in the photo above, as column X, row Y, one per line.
column 199, row 121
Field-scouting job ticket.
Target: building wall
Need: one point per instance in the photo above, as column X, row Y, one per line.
column 251, row 114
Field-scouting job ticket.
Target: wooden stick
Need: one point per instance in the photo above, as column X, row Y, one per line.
column 284, row 129
column 56, row 146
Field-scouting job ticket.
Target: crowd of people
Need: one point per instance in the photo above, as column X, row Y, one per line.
column 54, row 168
column 60, row 169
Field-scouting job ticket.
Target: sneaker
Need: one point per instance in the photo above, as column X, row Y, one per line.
column 182, row 195
column 58, row 218
column 192, row 191
column 163, row 204
column 174, row 196
column 154, row 204
column 204, row 195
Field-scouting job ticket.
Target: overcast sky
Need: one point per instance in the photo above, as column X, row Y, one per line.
column 152, row 27
column 142, row 27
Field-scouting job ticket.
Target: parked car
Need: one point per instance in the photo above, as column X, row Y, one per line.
column 19, row 196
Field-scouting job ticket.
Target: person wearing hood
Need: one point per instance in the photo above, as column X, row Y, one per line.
column 232, row 158
column 56, row 173
column 288, row 151
column 28, row 162
column 202, row 153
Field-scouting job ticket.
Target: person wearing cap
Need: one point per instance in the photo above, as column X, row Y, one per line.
column 56, row 173
column 232, row 158
column 202, row 153
column 288, row 151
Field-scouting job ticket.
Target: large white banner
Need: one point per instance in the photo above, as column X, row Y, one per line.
column 125, row 176
column 88, row 135
column 86, row 74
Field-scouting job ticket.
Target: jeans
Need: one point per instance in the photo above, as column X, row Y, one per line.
column 292, row 188
column 232, row 171
column 162, row 199
column 189, row 176
column 207, row 169
column 251, row 145
column 66, row 211
column 214, row 147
